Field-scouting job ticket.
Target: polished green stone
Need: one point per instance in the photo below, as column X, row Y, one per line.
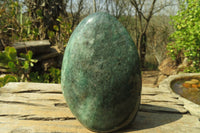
column 101, row 78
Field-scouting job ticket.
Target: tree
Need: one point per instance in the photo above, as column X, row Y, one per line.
column 158, row 33
column 54, row 20
column 76, row 8
column 94, row 6
column 186, row 38
column 144, row 10
column 10, row 24
column 43, row 13
column 116, row 7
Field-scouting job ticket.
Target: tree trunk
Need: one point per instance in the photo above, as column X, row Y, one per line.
column 142, row 48
column 94, row 6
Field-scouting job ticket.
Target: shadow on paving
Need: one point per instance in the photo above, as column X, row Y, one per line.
column 151, row 118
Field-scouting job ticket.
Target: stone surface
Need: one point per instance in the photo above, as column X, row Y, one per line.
column 186, row 63
column 161, row 77
column 35, row 107
column 193, row 108
column 168, row 67
column 101, row 78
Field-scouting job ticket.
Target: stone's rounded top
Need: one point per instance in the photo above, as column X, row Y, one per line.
column 101, row 26
column 101, row 78
column 99, row 18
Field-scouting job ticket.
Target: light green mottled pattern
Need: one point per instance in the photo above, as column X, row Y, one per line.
column 101, row 77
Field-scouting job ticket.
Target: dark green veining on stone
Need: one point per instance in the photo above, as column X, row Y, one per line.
column 101, row 78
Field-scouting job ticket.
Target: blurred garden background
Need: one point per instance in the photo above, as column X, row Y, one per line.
column 34, row 34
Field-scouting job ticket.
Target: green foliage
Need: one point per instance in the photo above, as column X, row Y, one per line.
column 53, row 76
column 48, row 21
column 7, row 78
column 36, row 77
column 19, row 66
column 9, row 28
column 17, row 25
column 187, row 35
column 14, row 25
column 60, row 33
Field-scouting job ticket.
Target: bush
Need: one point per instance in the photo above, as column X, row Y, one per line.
column 187, row 35
column 19, row 67
column 7, row 78
column 53, row 76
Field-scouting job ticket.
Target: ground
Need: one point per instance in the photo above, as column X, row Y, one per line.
column 149, row 78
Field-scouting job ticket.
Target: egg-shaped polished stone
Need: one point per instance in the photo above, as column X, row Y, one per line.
column 101, row 78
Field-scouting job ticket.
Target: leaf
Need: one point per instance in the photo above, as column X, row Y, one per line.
column 11, row 65
column 26, row 65
column 11, row 53
column 3, row 59
column 39, row 12
column 10, row 78
column 51, row 34
column 29, row 55
column 31, row 64
column 34, row 60
column 59, row 19
column 7, row 78
column 56, row 28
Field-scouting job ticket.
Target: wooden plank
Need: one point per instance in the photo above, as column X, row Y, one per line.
column 27, row 44
column 36, row 107
column 37, row 47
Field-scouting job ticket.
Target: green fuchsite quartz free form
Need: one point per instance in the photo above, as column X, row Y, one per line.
column 101, row 77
